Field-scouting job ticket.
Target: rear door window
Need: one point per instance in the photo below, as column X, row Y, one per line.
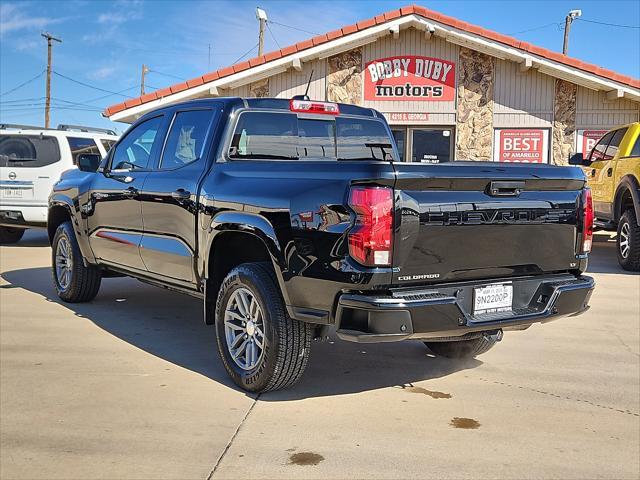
column 28, row 151
column 81, row 146
column 186, row 138
column 284, row 136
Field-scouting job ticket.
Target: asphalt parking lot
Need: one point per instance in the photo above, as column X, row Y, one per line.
column 130, row 386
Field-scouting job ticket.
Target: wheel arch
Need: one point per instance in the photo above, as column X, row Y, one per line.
column 61, row 210
column 627, row 196
column 235, row 238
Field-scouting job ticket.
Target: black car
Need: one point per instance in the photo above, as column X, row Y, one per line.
column 288, row 217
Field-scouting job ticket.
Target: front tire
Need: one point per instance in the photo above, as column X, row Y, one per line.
column 261, row 347
column 73, row 282
column 628, row 241
column 462, row 348
column 10, row 235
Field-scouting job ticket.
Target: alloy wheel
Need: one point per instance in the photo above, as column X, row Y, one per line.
column 244, row 329
column 64, row 263
column 625, row 235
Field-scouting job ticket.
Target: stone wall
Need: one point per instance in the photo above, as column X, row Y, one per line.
column 344, row 79
column 564, row 121
column 474, row 127
column 259, row 89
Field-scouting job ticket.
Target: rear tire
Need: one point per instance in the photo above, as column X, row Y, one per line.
column 269, row 350
column 462, row 348
column 628, row 241
column 9, row 235
column 74, row 283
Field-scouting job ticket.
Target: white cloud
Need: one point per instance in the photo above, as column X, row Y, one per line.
column 121, row 12
column 14, row 18
column 101, row 73
column 111, row 18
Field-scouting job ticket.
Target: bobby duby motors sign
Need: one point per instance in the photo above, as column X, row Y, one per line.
column 409, row 78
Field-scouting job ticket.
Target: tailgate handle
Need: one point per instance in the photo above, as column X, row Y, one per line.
column 505, row 189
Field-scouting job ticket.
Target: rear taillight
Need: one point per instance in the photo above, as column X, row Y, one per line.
column 370, row 240
column 587, row 220
column 309, row 106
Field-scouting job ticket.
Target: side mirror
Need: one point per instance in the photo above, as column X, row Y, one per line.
column 578, row 159
column 89, row 162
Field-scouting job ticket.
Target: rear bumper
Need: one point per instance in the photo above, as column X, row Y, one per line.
column 23, row 216
column 446, row 311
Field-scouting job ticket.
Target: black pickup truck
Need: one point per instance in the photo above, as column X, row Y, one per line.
column 290, row 217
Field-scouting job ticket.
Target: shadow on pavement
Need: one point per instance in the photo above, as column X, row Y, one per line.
column 170, row 326
column 603, row 257
column 33, row 237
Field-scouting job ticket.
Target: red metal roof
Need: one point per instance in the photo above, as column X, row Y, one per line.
column 364, row 24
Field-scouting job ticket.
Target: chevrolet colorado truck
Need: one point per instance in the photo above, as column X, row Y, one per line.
column 292, row 217
column 613, row 172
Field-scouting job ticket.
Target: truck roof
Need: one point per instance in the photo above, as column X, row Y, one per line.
column 263, row 103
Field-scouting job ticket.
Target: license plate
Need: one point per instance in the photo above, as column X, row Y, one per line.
column 493, row 298
column 12, row 192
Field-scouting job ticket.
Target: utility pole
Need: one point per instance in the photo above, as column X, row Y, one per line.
column 261, row 15
column 573, row 14
column 145, row 70
column 47, row 105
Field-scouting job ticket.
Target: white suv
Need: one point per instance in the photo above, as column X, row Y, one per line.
column 31, row 161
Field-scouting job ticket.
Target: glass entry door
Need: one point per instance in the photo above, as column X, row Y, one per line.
column 431, row 145
column 428, row 145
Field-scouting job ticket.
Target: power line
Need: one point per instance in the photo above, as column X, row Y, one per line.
column 608, row 24
column 89, row 86
column 272, row 35
column 23, row 84
column 293, row 28
column 18, row 100
column 112, row 94
column 247, row 53
column 167, row 75
column 557, row 24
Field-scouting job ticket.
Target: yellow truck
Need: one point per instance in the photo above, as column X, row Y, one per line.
column 613, row 172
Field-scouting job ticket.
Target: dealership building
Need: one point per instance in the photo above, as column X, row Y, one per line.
column 449, row 89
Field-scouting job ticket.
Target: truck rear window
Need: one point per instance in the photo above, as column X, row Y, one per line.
column 28, row 151
column 284, row 136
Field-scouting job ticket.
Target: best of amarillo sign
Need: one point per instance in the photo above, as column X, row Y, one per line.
column 410, row 78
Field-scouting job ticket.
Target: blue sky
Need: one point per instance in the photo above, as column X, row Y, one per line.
column 106, row 42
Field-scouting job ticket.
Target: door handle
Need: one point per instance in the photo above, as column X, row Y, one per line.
column 593, row 172
column 181, row 194
column 506, row 189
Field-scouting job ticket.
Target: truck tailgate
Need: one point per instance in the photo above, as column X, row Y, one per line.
column 475, row 220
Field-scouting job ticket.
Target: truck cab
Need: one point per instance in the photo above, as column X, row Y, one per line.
column 613, row 173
